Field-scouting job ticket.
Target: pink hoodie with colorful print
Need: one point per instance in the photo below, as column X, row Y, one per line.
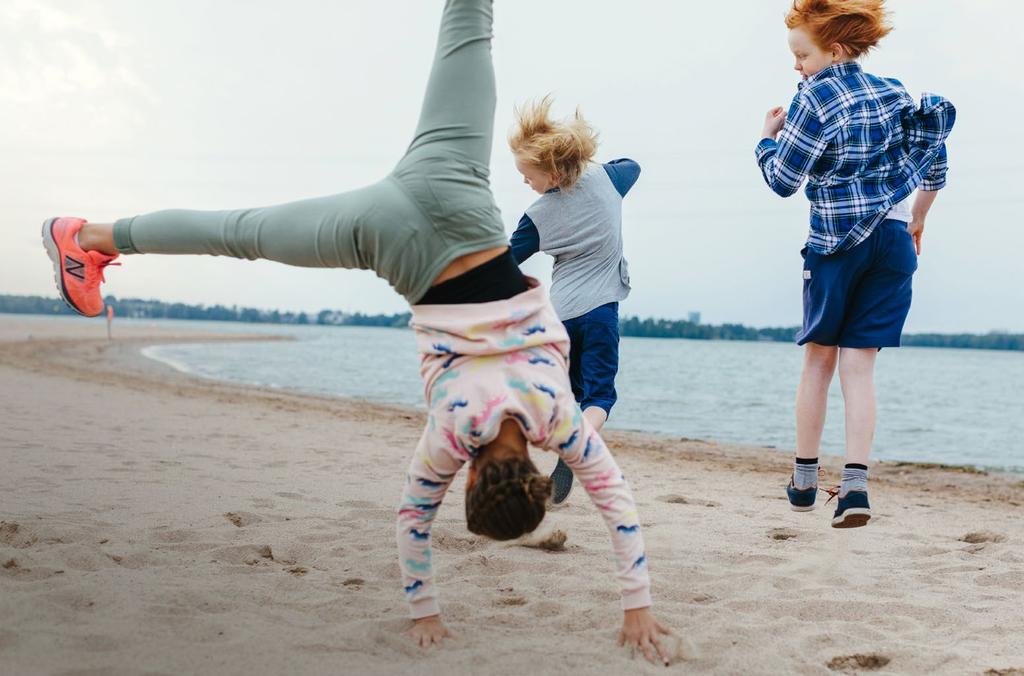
column 485, row 363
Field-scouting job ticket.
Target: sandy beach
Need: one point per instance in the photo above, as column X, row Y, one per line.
column 155, row 523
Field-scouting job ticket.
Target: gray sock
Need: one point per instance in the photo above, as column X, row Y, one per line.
column 805, row 476
column 853, row 480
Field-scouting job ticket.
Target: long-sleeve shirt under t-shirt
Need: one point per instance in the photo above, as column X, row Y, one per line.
column 581, row 228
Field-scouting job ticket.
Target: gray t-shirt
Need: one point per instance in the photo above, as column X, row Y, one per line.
column 582, row 229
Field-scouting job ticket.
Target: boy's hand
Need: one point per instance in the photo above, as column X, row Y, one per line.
column 641, row 630
column 774, row 119
column 916, row 230
column 428, row 631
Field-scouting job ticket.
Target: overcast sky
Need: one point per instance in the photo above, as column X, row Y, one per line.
column 110, row 108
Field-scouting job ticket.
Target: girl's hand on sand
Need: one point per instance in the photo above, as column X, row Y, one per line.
column 428, row 631
column 916, row 230
column 641, row 630
column 774, row 119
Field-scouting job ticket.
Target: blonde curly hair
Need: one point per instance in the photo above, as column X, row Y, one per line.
column 562, row 148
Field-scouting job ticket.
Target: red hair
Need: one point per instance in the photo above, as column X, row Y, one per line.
column 856, row 25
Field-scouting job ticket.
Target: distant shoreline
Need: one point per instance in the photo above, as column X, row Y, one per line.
column 630, row 326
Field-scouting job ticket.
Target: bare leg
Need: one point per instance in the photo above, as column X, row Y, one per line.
column 812, row 397
column 857, row 377
column 97, row 237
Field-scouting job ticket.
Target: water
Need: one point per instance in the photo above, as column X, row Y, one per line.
column 934, row 405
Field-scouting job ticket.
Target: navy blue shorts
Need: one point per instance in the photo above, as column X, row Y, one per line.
column 594, row 356
column 860, row 297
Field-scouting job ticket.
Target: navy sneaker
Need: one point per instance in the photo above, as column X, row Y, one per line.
column 801, row 500
column 562, row 479
column 853, row 511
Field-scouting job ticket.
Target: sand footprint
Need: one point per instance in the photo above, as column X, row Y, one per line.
column 11, row 568
column 242, row 519
column 250, row 555
column 855, row 663
column 982, row 536
column 783, row 534
column 447, row 541
column 9, row 535
column 683, row 500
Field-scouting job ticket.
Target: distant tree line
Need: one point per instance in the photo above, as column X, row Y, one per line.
column 679, row 328
column 988, row 341
column 628, row 326
column 155, row 309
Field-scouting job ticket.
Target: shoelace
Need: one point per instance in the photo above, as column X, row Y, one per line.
column 832, row 493
column 100, row 267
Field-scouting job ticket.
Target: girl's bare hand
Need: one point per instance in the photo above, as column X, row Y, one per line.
column 428, row 631
column 641, row 630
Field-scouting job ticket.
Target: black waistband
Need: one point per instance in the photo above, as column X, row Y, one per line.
column 497, row 279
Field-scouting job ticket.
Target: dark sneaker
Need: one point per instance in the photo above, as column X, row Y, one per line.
column 801, row 500
column 562, row 480
column 853, row 511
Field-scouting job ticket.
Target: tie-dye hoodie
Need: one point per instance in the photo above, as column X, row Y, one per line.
column 484, row 363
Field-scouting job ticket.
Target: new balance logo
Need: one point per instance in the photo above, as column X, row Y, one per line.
column 74, row 268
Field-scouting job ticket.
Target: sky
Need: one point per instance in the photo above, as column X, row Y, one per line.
column 110, row 108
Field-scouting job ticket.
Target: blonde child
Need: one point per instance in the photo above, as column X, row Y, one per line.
column 578, row 221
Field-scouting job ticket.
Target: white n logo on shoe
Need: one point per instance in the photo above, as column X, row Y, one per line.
column 74, row 268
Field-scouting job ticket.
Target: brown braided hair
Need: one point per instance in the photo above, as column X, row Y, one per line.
column 507, row 499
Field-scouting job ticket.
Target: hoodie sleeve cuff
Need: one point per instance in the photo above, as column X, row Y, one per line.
column 636, row 598
column 424, row 608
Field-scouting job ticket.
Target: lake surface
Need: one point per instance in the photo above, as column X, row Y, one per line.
column 934, row 405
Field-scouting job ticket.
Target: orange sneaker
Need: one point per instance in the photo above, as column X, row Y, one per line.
column 78, row 273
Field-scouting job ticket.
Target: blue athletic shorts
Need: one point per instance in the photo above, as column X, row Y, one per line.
column 860, row 297
column 594, row 356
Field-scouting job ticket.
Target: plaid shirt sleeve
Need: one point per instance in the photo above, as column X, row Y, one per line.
column 787, row 162
column 926, row 127
column 936, row 177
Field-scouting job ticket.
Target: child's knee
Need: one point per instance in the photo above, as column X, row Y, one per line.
column 821, row 358
column 857, row 364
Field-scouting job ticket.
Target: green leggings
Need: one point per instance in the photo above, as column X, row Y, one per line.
column 435, row 206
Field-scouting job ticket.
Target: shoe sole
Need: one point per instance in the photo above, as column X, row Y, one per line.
column 50, row 244
column 564, row 498
column 799, row 508
column 855, row 517
column 557, row 477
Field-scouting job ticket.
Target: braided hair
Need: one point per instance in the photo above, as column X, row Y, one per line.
column 507, row 499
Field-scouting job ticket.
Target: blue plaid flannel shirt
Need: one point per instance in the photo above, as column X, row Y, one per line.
column 863, row 145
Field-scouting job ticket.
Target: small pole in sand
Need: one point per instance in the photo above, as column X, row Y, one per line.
column 110, row 320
